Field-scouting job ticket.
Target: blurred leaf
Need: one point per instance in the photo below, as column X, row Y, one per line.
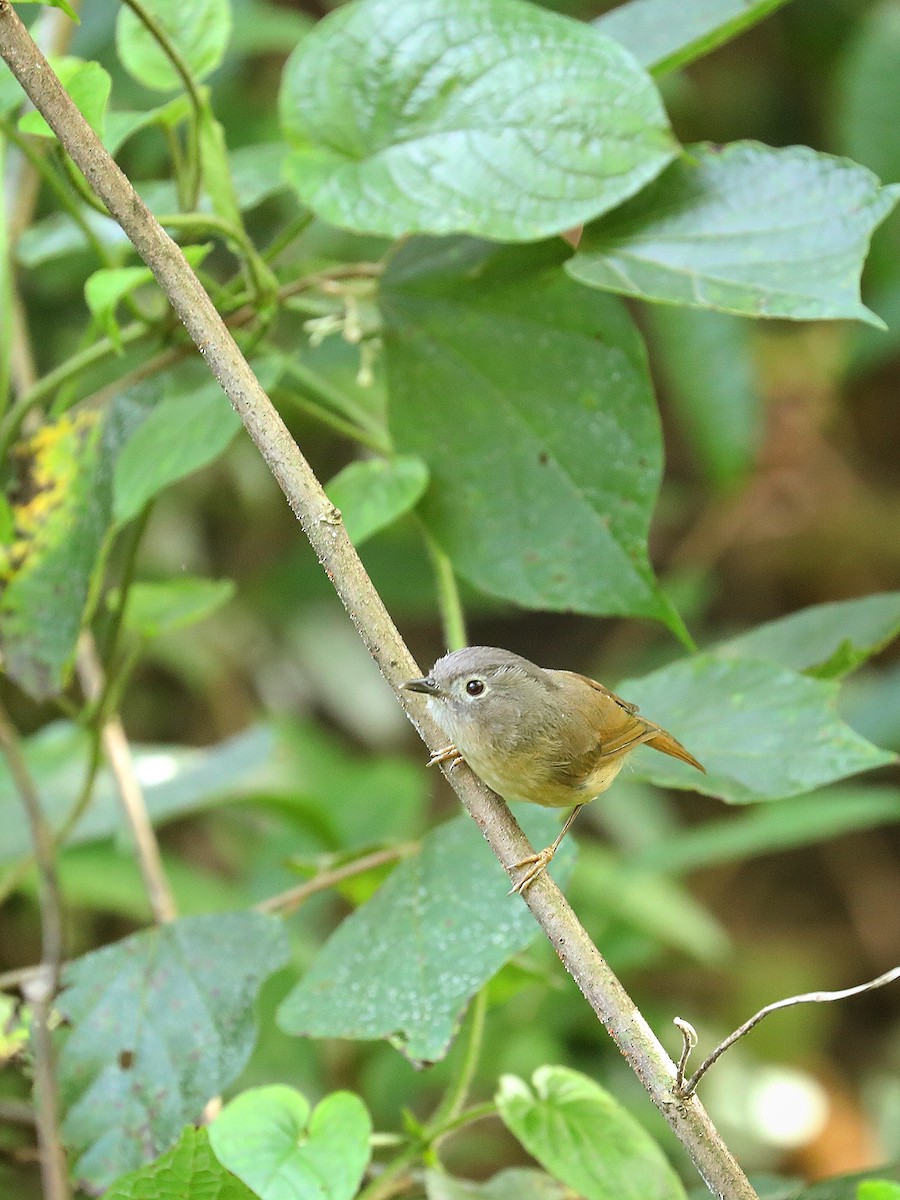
column 515, row 1183
column 868, row 91
column 878, row 1189
column 261, row 28
column 161, row 1022
column 745, row 229
column 57, row 235
column 706, row 359
column 62, row 515
column 183, row 433
column 493, row 117
column 175, row 780
column 406, row 964
column 638, row 895
column 761, row 731
column 63, row 5
column 827, row 640
column 870, row 702
column 764, row 829
column 663, row 37
column 268, row 1137
column 120, row 126
column 198, row 29
column 6, row 313
column 257, row 170
column 373, row 494
column 581, row 1135
column 845, row 1187
column 87, row 84
column 105, row 288
column 11, row 94
column 189, row 1169
column 156, row 608
column 530, row 400
column 216, row 167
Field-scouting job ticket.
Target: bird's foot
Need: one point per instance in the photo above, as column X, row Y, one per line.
column 445, row 754
column 536, row 865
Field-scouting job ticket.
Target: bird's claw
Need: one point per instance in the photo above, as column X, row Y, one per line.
column 445, row 754
column 537, row 864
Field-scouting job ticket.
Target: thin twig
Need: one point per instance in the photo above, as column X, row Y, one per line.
column 287, row 902
column 131, row 795
column 686, row 1089
column 580, row 956
column 40, row 988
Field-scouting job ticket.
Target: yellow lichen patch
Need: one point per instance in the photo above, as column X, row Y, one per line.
column 47, row 466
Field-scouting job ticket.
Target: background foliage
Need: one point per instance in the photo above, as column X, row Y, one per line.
column 376, row 198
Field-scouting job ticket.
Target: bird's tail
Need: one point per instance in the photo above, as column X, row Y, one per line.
column 668, row 745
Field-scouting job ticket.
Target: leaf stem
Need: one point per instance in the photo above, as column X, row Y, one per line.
column 453, row 617
column 42, row 987
column 118, row 755
column 289, row 901
column 456, row 1095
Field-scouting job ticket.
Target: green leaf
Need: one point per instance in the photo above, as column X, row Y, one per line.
column 189, row 1169
column 185, row 432
column 582, row 1136
column 846, row 1187
column 492, row 117
column 62, row 520
column 766, row 829
column 878, row 1189
column 156, row 608
column 199, row 30
column 175, row 780
column 762, row 732
column 516, row 1183
column 88, row 85
column 122, row 125
column 104, row 289
column 217, row 181
column 745, row 229
column 268, row 1137
column 405, row 965
column 258, row 170
column 373, row 494
column 530, row 401
column 663, row 37
column 827, row 640
column 161, row 1022
column 706, row 360
column 868, row 91
column 63, row 5
column 11, row 94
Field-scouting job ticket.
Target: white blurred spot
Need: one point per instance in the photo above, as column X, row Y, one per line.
column 785, row 1108
column 153, row 769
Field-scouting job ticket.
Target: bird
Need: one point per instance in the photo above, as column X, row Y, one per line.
column 553, row 738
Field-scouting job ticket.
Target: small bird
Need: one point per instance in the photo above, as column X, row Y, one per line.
column 549, row 737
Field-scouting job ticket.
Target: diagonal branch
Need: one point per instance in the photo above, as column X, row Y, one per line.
column 326, row 533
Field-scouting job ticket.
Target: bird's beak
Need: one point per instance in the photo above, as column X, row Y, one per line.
column 426, row 686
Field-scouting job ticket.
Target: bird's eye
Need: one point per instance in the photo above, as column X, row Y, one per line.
column 474, row 687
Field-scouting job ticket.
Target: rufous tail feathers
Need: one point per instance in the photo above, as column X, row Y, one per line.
column 668, row 745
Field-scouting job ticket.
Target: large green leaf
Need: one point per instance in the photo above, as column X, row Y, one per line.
column 663, row 36
column 271, row 1139
column 581, row 1135
column 189, row 1169
column 156, row 608
column 763, row 732
column 530, row 400
column 405, row 964
column 160, row 1023
column 61, row 521
column 846, row 1187
column 493, row 117
column 827, row 640
column 745, row 229
column 198, row 29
